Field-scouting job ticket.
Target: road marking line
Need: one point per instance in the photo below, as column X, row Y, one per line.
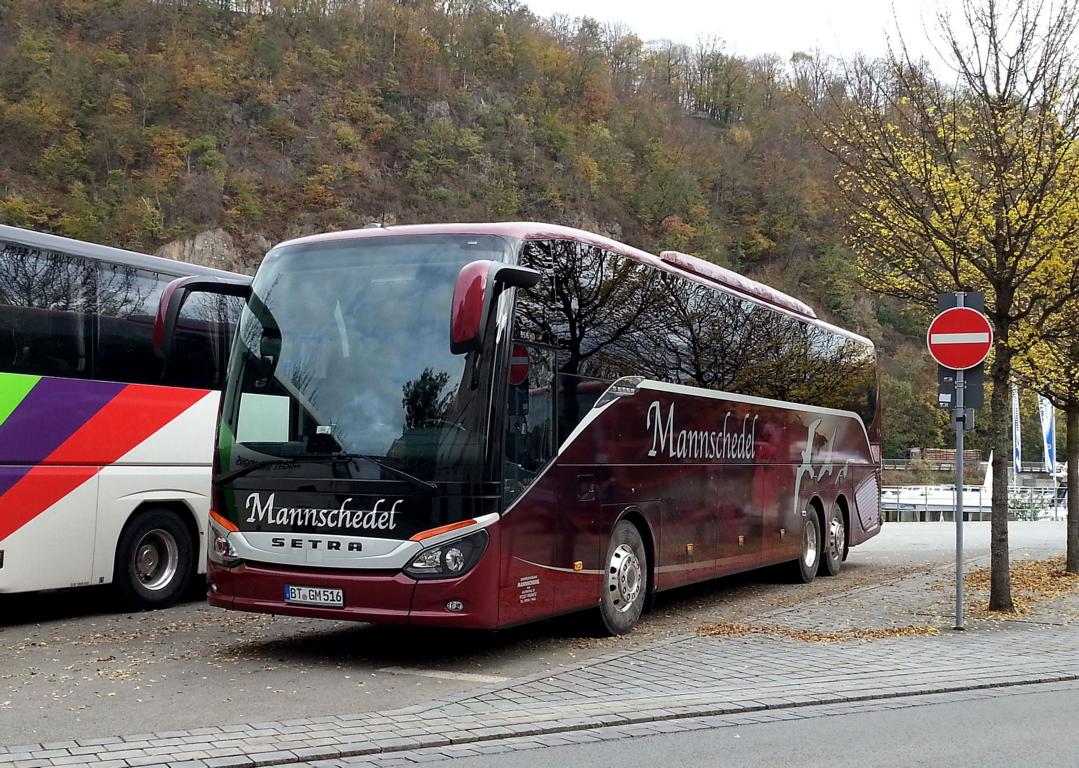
column 958, row 338
column 438, row 674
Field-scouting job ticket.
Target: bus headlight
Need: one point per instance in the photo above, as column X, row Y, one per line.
column 221, row 550
column 450, row 560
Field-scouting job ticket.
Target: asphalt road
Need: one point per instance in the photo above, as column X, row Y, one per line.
column 1026, row 727
column 72, row 667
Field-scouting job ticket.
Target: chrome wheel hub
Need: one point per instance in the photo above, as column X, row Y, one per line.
column 810, row 540
column 157, row 558
column 624, row 577
column 836, row 538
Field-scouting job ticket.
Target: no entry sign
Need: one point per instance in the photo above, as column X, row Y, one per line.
column 518, row 365
column 959, row 338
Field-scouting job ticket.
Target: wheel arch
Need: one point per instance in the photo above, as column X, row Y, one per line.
column 635, row 516
column 844, row 507
column 183, row 512
column 817, row 505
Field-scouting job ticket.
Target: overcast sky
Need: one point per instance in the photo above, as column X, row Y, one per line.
column 753, row 27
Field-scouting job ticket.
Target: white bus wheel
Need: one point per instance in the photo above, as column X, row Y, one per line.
column 625, row 580
column 153, row 560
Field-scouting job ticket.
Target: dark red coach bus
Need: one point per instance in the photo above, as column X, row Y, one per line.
column 480, row 425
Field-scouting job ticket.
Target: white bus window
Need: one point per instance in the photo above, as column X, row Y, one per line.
column 263, row 419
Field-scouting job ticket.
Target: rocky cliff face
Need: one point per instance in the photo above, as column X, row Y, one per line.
column 212, row 248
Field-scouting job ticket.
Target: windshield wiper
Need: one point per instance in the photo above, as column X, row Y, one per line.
column 378, row 462
column 334, row 458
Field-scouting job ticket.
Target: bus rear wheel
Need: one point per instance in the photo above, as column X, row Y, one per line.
column 625, row 581
column 835, row 542
column 154, row 560
column 804, row 569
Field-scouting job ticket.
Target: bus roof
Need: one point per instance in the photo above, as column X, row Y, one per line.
column 744, row 287
column 105, row 253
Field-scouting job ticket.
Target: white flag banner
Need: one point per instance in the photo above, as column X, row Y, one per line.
column 1049, row 434
column 1017, row 433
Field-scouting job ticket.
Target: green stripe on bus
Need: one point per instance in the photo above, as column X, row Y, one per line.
column 13, row 388
column 225, row 439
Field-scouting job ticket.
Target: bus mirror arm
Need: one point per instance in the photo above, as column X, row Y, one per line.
column 176, row 293
column 478, row 285
column 623, row 387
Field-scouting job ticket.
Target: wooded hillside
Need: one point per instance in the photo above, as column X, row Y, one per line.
column 135, row 123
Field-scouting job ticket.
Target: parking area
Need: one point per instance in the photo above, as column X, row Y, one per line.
column 72, row 668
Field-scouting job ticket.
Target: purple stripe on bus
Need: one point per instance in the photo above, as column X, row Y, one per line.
column 51, row 412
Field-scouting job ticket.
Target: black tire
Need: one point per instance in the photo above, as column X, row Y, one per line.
column 804, row 569
column 154, row 560
column 625, row 580
column 834, row 550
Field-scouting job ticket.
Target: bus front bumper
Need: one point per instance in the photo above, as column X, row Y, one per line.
column 382, row 597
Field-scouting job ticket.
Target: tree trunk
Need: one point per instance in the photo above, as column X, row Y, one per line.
column 1000, row 589
column 1072, row 451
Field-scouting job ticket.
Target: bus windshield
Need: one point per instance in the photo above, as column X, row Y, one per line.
column 344, row 350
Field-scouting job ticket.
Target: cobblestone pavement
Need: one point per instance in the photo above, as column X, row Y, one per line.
column 777, row 668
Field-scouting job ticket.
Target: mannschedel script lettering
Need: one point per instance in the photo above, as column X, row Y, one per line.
column 380, row 518
column 736, row 439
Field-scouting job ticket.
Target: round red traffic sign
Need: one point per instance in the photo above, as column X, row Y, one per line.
column 959, row 338
column 518, row 365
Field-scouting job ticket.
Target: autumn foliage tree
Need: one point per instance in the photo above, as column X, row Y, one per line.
column 968, row 184
column 1049, row 364
column 140, row 122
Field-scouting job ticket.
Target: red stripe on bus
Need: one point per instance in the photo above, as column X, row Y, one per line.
column 130, row 418
column 38, row 490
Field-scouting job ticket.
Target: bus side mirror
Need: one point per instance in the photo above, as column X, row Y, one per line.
column 176, row 293
column 478, row 284
column 269, row 354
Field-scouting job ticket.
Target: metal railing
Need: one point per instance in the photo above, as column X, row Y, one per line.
column 925, row 503
column 1029, row 467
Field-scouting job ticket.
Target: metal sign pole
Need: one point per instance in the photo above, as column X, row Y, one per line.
column 959, row 338
column 960, row 427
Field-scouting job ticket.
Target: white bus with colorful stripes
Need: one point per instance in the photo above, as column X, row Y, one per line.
column 105, row 449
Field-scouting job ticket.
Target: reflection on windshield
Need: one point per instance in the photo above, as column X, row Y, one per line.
column 344, row 347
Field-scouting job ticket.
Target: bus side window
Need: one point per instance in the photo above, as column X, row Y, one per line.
column 530, row 417
column 45, row 302
column 126, row 309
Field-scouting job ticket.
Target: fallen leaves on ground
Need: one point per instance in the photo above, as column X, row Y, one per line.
column 811, row 636
column 1033, row 581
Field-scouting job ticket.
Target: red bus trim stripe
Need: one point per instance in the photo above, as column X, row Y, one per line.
column 129, row 419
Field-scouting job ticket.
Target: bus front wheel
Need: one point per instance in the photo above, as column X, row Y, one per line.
column 625, row 582
column 153, row 560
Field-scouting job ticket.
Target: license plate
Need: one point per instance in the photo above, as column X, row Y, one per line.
column 335, row 598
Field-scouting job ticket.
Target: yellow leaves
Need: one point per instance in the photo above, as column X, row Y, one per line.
column 1033, row 581
column 119, row 103
column 677, row 233
column 201, row 80
column 168, row 148
column 587, row 170
column 361, row 111
column 317, row 189
column 811, row 636
column 740, row 136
